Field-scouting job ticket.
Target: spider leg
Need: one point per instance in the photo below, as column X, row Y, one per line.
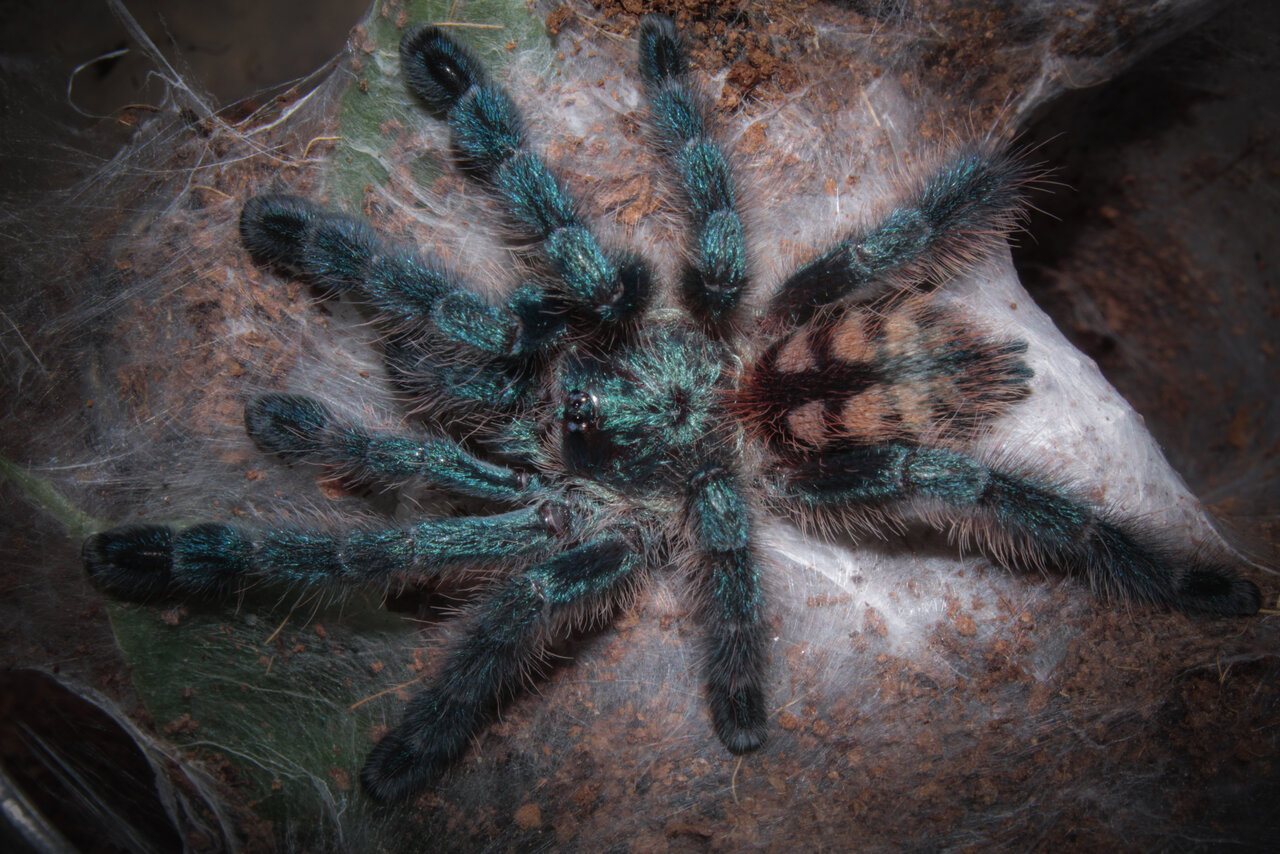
column 489, row 137
column 735, row 679
column 480, row 352
column 344, row 255
column 299, row 427
column 944, row 225
column 1019, row 518
column 525, row 326
column 717, row 272
column 505, row 641
column 146, row 561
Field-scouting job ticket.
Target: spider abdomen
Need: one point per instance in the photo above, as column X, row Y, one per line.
column 855, row 376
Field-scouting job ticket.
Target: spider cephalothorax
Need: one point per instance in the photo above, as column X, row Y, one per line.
column 613, row 426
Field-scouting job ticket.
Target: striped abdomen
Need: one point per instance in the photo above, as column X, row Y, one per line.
column 861, row 376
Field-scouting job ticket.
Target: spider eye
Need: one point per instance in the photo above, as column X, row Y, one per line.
column 581, row 411
column 586, row 447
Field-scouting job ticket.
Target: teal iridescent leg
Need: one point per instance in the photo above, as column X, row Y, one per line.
column 301, row 427
column 948, row 223
column 343, row 255
column 488, row 134
column 145, row 561
column 523, row 327
column 505, row 642
column 424, row 372
column 1017, row 516
column 717, row 275
column 736, row 665
column 456, row 346
column 479, row 353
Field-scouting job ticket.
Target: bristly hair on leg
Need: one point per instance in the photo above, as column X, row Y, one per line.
column 715, row 276
column 610, row 288
column 948, row 221
column 1017, row 520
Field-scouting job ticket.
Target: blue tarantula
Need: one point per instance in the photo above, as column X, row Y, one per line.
column 622, row 432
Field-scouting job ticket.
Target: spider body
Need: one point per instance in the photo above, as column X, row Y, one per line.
column 613, row 430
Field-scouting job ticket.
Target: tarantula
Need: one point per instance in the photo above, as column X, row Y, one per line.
column 613, row 429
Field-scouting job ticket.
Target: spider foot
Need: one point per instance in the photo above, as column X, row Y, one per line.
column 1217, row 591
column 132, row 561
column 735, row 687
column 395, row 770
column 740, row 720
column 140, row 562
